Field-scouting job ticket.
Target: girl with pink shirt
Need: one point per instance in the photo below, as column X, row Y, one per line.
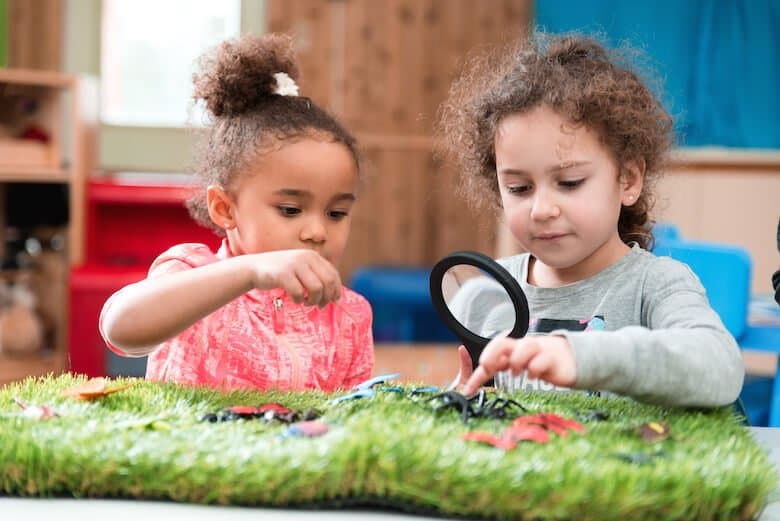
column 268, row 310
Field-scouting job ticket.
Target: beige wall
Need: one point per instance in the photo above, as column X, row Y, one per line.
column 731, row 197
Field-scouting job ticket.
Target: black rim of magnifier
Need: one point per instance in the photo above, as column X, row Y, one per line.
column 486, row 264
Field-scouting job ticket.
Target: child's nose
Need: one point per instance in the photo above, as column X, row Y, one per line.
column 544, row 206
column 314, row 230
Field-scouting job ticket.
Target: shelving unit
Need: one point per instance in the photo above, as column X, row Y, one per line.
column 65, row 107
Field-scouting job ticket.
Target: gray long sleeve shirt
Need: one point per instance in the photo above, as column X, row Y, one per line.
column 642, row 327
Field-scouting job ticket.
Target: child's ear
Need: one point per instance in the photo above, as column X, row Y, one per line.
column 220, row 207
column 632, row 180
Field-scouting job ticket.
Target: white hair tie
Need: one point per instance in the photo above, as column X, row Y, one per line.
column 285, row 86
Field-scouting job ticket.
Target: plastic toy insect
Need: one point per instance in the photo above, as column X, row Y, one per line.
column 591, row 416
column 310, row 429
column 475, row 406
column 552, row 422
column 267, row 412
column 368, row 388
column 527, row 428
column 42, row 412
column 454, row 400
column 654, row 431
column 92, row 389
column 498, row 408
column 423, row 390
column 371, row 382
column 640, row 458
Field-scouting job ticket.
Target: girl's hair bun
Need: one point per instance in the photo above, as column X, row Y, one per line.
column 238, row 75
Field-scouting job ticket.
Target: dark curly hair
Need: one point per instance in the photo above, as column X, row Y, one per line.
column 579, row 79
column 236, row 83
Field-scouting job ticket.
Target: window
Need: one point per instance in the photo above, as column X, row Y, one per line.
column 148, row 54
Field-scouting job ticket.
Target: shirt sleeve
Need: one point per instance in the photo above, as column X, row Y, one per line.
column 178, row 258
column 681, row 355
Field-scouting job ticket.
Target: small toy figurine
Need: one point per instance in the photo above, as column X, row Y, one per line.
column 92, row 389
column 527, row 428
column 654, row 431
column 475, row 406
column 268, row 413
column 423, row 390
column 367, row 389
column 310, row 429
column 42, row 412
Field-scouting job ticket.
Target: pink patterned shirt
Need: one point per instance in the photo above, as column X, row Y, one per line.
column 262, row 339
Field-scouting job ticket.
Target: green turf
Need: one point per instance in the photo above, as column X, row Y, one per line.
column 147, row 442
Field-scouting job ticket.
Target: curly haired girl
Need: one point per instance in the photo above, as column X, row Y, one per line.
column 568, row 142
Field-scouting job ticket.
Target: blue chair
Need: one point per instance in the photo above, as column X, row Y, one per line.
column 725, row 272
column 665, row 231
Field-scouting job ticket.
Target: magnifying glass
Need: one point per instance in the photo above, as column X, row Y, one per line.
column 477, row 299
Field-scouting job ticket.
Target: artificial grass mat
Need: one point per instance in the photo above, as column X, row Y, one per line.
column 148, row 442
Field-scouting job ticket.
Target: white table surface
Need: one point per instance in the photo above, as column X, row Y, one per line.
column 61, row 509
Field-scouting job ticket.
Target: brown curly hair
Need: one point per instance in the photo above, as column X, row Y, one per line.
column 236, row 83
column 579, row 79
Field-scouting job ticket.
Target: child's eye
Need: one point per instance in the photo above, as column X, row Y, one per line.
column 574, row 183
column 518, row 189
column 289, row 211
column 337, row 215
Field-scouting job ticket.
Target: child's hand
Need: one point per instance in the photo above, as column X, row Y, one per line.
column 464, row 373
column 304, row 274
column 549, row 358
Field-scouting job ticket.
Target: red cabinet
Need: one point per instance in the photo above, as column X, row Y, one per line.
column 130, row 220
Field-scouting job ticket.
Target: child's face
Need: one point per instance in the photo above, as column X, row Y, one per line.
column 297, row 196
column 560, row 192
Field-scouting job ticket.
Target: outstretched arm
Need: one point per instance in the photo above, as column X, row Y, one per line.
column 142, row 315
column 682, row 356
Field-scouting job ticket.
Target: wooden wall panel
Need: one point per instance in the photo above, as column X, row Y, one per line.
column 389, row 222
column 384, row 68
column 741, row 207
column 310, row 25
column 35, row 34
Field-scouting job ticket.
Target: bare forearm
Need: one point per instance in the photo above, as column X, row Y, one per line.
column 151, row 311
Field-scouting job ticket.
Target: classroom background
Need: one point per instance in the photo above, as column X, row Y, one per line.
column 95, row 144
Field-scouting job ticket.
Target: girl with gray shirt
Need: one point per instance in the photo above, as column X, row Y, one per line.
column 568, row 143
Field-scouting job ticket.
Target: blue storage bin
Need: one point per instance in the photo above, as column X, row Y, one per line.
column 401, row 301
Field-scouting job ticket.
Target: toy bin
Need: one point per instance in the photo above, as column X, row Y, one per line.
column 401, row 301
column 130, row 220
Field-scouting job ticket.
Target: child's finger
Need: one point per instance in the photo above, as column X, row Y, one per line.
column 495, row 357
column 292, row 286
column 311, row 283
column 525, row 351
column 541, row 365
column 466, row 364
column 478, row 377
column 330, row 279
